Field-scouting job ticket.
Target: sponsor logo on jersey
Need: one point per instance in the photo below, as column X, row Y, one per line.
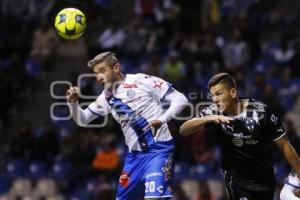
column 229, row 127
column 251, row 142
column 238, row 142
column 230, row 131
column 238, row 128
column 127, row 85
column 154, row 174
column 160, row 189
column 124, row 179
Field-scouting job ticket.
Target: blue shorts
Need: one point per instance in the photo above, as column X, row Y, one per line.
column 146, row 174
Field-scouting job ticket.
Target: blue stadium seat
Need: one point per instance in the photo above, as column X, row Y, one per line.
column 217, row 174
column 15, row 168
column 181, row 171
column 61, row 169
column 201, row 171
column 4, row 184
column 33, row 67
column 91, row 185
column 62, row 125
column 37, row 169
column 78, row 196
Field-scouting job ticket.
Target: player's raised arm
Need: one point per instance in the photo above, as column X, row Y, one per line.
column 84, row 116
column 197, row 124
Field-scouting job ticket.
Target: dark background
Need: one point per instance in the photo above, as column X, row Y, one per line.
column 184, row 42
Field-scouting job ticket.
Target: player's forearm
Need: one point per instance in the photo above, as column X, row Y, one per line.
column 193, row 126
column 178, row 103
column 290, row 154
column 80, row 116
column 294, row 160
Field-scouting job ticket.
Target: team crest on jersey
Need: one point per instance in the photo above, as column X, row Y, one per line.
column 124, row 179
column 250, row 124
column 242, row 126
column 130, row 94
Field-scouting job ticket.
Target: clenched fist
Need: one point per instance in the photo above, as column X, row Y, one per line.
column 72, row 94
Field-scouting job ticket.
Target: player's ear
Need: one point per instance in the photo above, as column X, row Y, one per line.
column 116, row 68
column 233, row 92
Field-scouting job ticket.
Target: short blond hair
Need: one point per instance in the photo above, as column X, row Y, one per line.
column 108, row 57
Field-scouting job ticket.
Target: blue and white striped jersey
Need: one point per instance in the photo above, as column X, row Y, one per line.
column 134, row 103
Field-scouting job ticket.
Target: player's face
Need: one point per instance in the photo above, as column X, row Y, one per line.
column 106, row 74
column 223, row 97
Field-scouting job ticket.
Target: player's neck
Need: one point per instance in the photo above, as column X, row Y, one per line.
column 238, row 107
column 116, row 83
column 119, row 78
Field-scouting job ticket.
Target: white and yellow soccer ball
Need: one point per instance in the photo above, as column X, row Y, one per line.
column 70, row 23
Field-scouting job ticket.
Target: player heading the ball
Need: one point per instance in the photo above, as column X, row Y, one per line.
column 136, row 102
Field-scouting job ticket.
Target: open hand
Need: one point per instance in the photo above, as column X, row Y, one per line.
column 154, row 125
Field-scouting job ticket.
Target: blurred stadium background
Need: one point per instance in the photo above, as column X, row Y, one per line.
column 184, row 42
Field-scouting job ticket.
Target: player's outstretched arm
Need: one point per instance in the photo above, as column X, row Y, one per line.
column 80, row 116
column 289, row 153
column 197, row 124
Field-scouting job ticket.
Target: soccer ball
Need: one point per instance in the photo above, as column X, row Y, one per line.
column 70, row 23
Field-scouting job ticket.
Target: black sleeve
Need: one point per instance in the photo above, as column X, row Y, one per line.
column 206, row 112
column 275, row 126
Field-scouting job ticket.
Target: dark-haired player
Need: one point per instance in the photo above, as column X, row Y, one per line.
column 247, row 131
